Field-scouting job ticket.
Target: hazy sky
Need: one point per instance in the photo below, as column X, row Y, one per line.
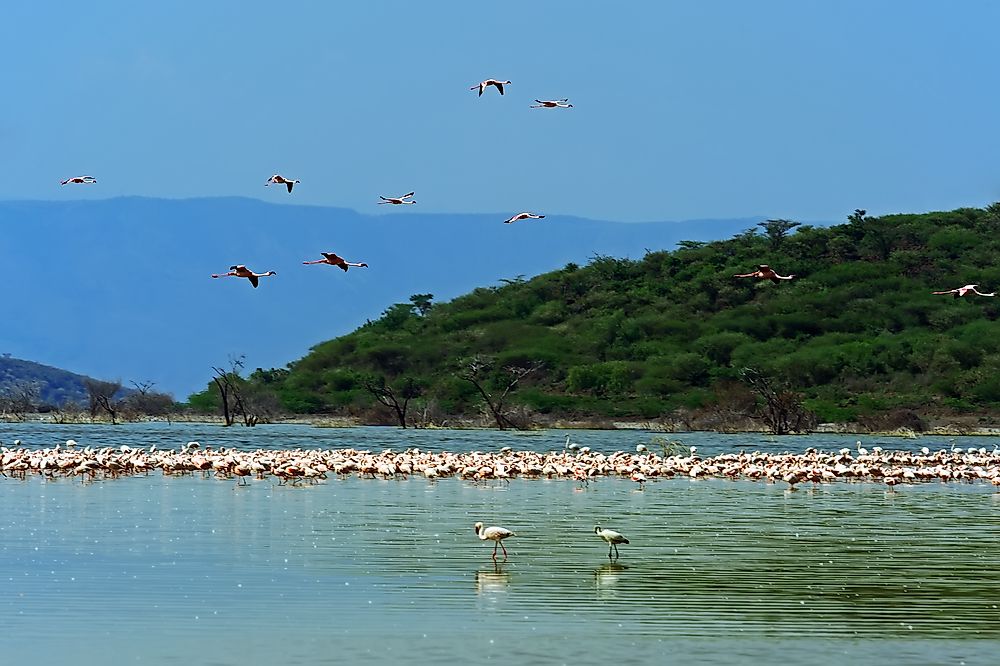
column 695, row 109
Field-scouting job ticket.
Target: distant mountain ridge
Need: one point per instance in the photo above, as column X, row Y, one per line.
column 56, row 387
column 120, row 287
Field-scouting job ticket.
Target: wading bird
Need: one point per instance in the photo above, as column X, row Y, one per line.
column 490, row 82
column 552, row 104
column 79, row 180
column 611, row 537
column 336, row 260
column 962, row 291
column 397, row 200
column 765, row 272
column 496, row 534
column 523, row 216
column 239, row 270
column 278, row 179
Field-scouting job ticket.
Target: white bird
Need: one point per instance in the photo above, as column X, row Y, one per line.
column 523, row 216
column 490, row 82
column 861, row 451
column 79, row 180
column 640, row 448
column 278, row 179
column 552, row 104
column 611, row 537
column 495, row 534
column 397, row 200
column 962, row 291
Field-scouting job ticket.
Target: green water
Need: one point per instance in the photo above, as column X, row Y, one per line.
column 183, row 570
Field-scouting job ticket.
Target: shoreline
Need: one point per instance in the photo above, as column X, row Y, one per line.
column 953, row 429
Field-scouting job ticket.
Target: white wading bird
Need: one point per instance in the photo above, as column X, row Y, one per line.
column 552, row 104
column 496, row 534
column 397, row 200
column 490, row 82
column 278, row 179
column 611, row 537
column 962, row 291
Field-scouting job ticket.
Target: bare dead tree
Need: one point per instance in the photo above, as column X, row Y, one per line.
column 782, row 410
column 226, row 381
column 480, row 370
column 144, row 400
column 397, row 400
column 102, row 397
column 20, row 398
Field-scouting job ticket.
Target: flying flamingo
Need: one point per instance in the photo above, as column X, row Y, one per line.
column 278, row 179
column 765, row 272
column 397, row 200
column 490, row 82
column 962, row 291
column 496, row 534
column 336, row 260
column 79, row 180
column 611, row 537
column 523, row 216
column 551, row 104
column 239, row 270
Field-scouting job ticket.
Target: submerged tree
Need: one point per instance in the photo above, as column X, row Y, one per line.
column 102, row 397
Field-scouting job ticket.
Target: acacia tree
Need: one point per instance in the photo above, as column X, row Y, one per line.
column 422, row 303
column 777, row 230
column 782, row 410
column 102, row 397
column 398, row 399
column 479, row 371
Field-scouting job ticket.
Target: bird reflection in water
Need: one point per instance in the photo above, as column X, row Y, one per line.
column 607, row 577
column 492, row 581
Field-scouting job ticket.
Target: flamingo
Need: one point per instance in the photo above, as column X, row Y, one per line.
column 496, row 534
column 239, row 270
column 79, row 180
column 397, row 200
column 962, row 291
column 611, row 537
column 336, row 260
column 490, row 82
column 765, row 272
column 278, row 179
column 551, row 104
column 523, row 216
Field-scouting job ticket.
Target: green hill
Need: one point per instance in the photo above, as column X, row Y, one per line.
column 42, row 385
column 857, row 334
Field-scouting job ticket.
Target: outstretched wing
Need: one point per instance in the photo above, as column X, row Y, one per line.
column 254, row 281
column 289, row 184
column 499, row 87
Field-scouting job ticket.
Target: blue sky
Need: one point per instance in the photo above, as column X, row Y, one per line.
column 683, row 110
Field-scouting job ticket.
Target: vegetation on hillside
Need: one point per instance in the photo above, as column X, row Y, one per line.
column 857, row 335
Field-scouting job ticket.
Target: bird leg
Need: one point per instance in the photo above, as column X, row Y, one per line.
column 610, row 546
column 615, row 546
column 500, row 543
column 495, row 550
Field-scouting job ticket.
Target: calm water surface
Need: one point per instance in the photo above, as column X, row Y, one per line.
column 186, row 570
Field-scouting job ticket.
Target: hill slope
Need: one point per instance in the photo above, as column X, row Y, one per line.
column 55, row 387
column 857, row 333
column 120, row 287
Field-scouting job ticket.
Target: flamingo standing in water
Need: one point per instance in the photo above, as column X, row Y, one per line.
column 551, row 104
column 397, row 200
column 490, row 82
column 336, row 260
column 611, row 537
column 79, row 180
column 239, row 270
column 278, row 179
column 765, row 272
column 962, row 291
column 495, row 534
column 523, row 216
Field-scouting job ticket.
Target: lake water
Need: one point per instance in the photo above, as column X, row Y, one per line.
column 182, row 570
